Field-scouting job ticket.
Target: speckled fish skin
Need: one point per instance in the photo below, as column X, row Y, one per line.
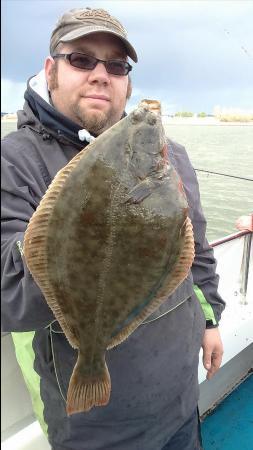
column 113, row 235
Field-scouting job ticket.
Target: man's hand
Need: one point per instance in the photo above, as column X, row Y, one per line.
column 245, row 223
column 212, row 351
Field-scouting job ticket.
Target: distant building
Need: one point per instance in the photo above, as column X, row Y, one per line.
column 8, row 116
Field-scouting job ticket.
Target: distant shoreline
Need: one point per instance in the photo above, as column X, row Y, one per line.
column 206, row 124
column 212, row 121
column 167, row 121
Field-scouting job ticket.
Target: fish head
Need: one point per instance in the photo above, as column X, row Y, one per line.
column 147, row 143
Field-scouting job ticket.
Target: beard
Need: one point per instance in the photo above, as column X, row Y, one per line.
column 96, row 122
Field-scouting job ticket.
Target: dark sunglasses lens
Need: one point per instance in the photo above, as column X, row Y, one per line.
column 82, row 61
column 117, row 67
column 88, row 62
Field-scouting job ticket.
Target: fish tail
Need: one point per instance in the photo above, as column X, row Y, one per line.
column 86, row 392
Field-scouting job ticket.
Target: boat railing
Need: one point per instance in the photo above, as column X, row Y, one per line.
column 244, row 274
column 245, row 261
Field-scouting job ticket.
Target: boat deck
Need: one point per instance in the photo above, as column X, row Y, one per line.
column 230, row 425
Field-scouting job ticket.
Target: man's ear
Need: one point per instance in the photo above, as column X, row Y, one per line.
column 129, row 88
column 50, row 72
column 48, row 66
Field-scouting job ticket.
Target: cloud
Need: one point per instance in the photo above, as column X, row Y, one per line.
column 192, row 54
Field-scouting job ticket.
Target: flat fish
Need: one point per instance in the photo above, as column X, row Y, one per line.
column 109, row 242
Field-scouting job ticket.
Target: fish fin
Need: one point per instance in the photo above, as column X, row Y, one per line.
column 86, row 392
column 35, row 244
column 139, row 192
column 173, row 280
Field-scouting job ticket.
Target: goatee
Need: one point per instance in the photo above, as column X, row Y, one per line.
column 96, row 123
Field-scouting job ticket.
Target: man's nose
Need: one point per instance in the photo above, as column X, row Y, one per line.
column 99, row 74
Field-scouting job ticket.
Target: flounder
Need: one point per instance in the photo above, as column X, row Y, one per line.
column 108, row 243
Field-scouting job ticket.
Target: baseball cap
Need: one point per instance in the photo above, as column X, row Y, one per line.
column 78, row 22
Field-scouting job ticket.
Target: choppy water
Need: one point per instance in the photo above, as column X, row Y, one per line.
column 227, row 149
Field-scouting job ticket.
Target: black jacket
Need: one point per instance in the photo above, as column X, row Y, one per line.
column 141, row 380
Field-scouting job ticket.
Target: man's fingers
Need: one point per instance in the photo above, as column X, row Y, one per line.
column 214, row 364
column 207, row 358
column 212, row 351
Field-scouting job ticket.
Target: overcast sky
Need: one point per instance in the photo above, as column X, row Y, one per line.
column 193, row 55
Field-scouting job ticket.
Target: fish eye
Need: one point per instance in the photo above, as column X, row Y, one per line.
column 138, row 115
column 151, row 118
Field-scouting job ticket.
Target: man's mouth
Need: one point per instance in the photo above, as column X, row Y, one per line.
column 98, row 97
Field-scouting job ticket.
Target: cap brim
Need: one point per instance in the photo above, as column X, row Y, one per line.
column 80, row 32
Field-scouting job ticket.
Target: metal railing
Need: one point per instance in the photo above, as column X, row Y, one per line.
column 241, row 290
column 244, row 272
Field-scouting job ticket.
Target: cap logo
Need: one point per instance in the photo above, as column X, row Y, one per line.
column 100, row 14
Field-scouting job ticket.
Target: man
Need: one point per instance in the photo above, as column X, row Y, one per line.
column 82, row 92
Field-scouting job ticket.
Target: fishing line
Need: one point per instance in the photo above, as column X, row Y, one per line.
column 241, row 46
column 224, row 174
column 54, row 363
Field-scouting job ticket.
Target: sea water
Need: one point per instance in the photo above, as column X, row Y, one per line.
column 226, row 149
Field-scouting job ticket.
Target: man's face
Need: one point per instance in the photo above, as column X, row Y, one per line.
column 94, row 98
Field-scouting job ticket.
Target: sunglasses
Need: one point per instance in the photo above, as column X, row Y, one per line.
column 87, row 62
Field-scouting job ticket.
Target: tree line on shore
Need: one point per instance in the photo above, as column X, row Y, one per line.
column 222, row 117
